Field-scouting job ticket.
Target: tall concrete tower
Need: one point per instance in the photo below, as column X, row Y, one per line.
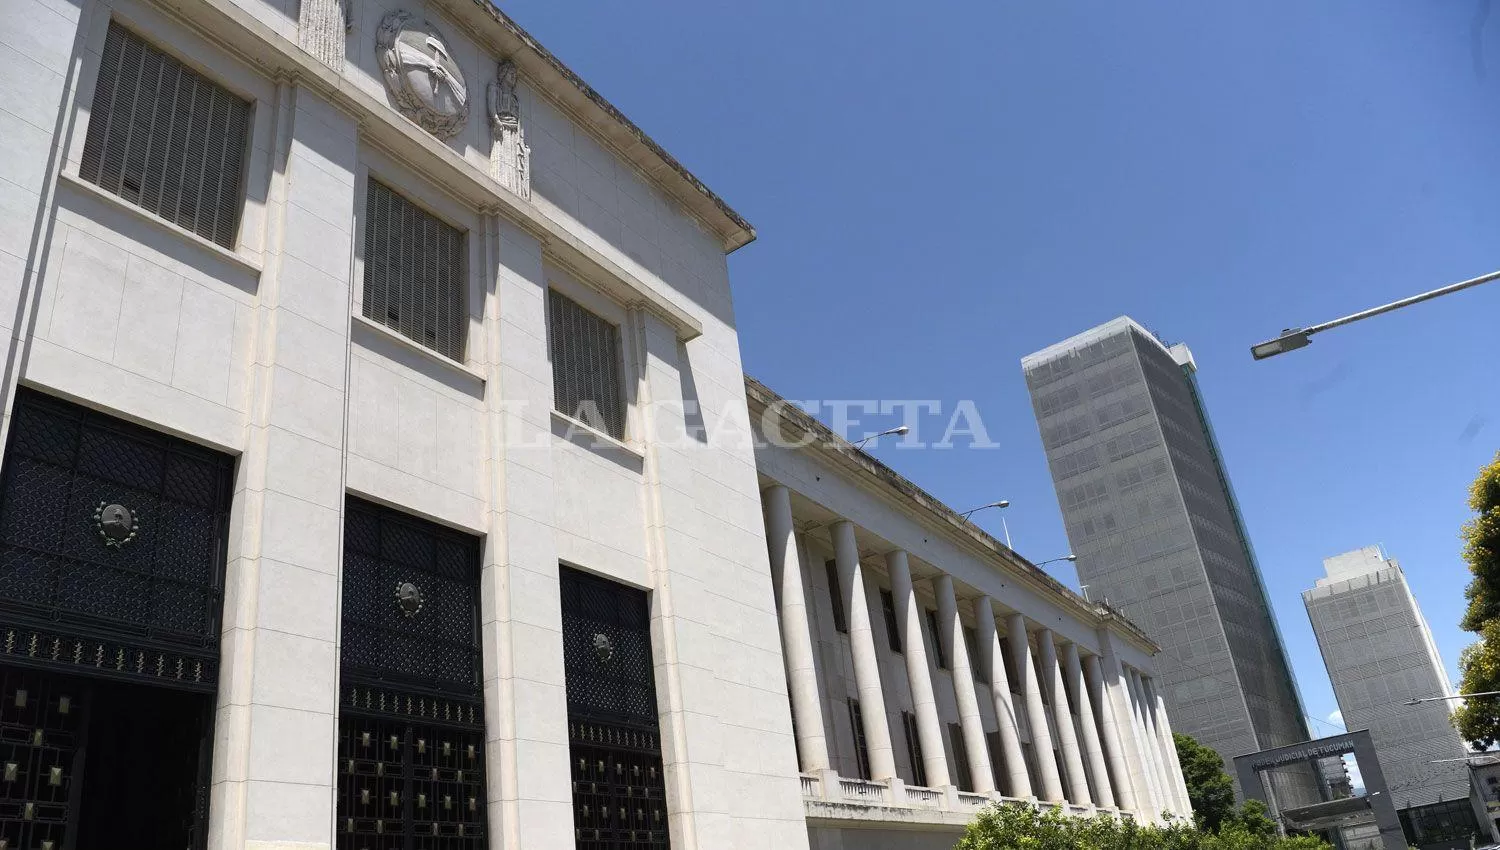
column 1154, row 523
column 1380, row 654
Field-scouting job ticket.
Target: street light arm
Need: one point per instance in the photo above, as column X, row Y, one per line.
column 1453, row 696
column 1405, row 302
column 1294, row 338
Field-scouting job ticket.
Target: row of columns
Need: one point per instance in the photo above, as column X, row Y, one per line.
column 1119, row 755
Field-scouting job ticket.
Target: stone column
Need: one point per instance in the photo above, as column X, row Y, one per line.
column 918, row 675
column 1036, row 711
column 274, row 774
column 1146, row 746
column 1119, row 703
column 992, row 658
column 978, row 751
column 525, row 687
column 862, row 646
column 1113, row 737
column 1148, row 724
column 796, row 635
column 1067, row 738
column 1103, row 792
column 1169, row 745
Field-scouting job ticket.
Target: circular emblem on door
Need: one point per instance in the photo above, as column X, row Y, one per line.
column 117, row 525
column 604, row 649
column 409, row 598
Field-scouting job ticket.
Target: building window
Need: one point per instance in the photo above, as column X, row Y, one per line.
column 1009, row 659
column 892, row 629
column 861, row 753
column 914, row 748
column 414, row 273
column 962, row 777
column 166, row 139
column 939, row 656
column 971, row 643
column 997, row 769
column 836, row 596
column 1043, row 682
column 585, row 365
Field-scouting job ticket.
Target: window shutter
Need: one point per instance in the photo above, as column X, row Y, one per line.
column 836, row 596
column 585, row 365
column 165, row 138
column 414, row 273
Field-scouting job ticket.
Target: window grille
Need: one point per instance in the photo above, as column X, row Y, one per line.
column 971, row 643
column 861, row 751
column 167, row 139
column 414, row 273
column 962, row 777
column 939, row 656
column 892, row 625
column 836, row 596
column 585, row 365
column 914, row 748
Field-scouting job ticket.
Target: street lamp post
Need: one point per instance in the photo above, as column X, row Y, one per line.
column 1003, row 503
column 1454, row 696
column 899, row 429
column 1292, row 339
column 1068, row 557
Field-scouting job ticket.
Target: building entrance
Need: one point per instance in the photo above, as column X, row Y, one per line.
column 112, row 550
column 619, row 792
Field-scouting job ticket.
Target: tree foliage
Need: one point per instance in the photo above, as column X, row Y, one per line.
column 1017, row 826
column 1209, row 788
column 1478, row 720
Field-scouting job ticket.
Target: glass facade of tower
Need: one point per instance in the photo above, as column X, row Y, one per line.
column 1151, row 517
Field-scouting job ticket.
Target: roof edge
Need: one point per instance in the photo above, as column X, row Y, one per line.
column 844, row 453
column 732, row 229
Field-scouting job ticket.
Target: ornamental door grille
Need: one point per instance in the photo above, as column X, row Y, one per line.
column 41, row 736
column 112, row 552
column 411, row 727
column 619, row 793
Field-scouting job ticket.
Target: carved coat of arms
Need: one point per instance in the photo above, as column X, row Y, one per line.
column 423, row 79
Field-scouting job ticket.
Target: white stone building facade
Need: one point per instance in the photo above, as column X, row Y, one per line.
column 368, row 478
column 933, row 671
column 157, row 305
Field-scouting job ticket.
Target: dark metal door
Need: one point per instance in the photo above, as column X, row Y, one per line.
column 411, row 726
column 112, row 550
column 619, row 793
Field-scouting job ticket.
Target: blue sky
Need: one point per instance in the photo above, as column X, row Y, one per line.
column 942, row 189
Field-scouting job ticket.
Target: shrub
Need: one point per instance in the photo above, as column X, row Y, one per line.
column 1017, row 826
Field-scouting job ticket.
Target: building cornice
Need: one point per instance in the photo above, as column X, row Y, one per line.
column 626, row 139
column 812, row 435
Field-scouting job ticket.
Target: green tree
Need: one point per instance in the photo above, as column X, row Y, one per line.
column 1209, row 788
column 1254, row 819
column 1478, row 720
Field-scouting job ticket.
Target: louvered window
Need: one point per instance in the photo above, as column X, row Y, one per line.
column 414, row 273
column 165, row 138
column 585, row 365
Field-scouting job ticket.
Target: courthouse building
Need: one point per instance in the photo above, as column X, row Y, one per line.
column 349, row 493
column 931, row 669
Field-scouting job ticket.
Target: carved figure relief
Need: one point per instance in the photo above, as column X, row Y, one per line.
column 427, row 85
column 510, row 157
column 322, row 27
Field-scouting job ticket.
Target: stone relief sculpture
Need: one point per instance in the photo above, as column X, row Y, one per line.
column 424, row 81
column 510, row 158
